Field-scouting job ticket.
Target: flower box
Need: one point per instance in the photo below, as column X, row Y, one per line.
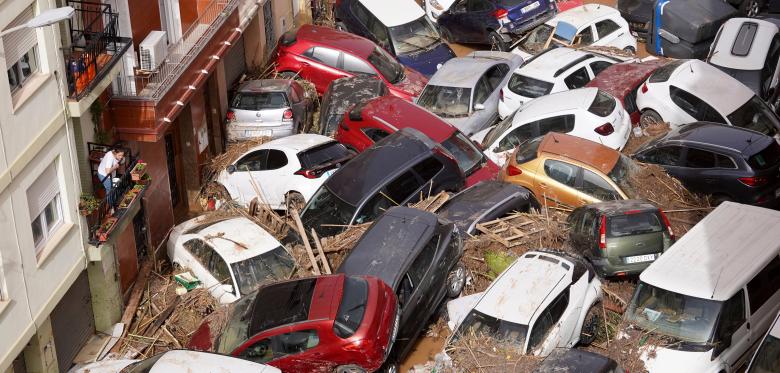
column 106, row 227
column 138, row 171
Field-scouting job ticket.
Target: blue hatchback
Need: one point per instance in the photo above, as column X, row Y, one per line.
column 399, row 26
column 493, row 22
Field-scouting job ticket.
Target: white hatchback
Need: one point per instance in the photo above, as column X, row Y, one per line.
column 589, row 113
column 177, row 361
column 283, row 172
column 230, row 257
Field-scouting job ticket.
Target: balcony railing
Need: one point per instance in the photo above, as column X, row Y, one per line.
column 95, row 48
column 107, row 210
column 152, row 85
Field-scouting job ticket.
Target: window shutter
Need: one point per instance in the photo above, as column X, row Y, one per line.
column 17, row 43
column 42, row 191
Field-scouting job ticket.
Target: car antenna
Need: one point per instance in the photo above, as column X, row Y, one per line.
column 554, row 139
column 717, row 280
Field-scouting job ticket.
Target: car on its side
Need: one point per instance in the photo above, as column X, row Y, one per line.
column 176, row 361
column 620, row 238
column 374, row 120
column 418, row 257
column 398, row 26
column 554, row 70
column 567, row 171
column 483, row 202
column 400, row 169
column 767, row 356
column 586, row 25
column 685, row 91
column 728, row 163
column 344, row 93
column 588, row 113
column 231, row 257
column 465, row 91
column 622, row 80
column 575, row 360
column 321, row 55
column 434, row 8
column 493, row 22
column 283, row 173
column 268, row 107
column 686, row 29
column 538, row 303
column 330, row 323
column 638, row 14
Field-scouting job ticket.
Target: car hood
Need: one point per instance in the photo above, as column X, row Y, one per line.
column 413, row 83
column 488, row 171
column 105, row 366
column 667, row 360
column 428, row 61
column 468, row 125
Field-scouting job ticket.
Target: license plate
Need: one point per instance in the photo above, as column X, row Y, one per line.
column 640, row 258
column 529, row 7
column 257, row 133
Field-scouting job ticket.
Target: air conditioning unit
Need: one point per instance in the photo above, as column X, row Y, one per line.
column 153, row 50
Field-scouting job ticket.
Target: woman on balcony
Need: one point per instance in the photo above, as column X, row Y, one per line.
column 108, row 165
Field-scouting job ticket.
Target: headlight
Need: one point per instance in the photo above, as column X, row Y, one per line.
column 435, row 4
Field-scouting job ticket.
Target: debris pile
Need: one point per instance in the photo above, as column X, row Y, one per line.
column 478, row 353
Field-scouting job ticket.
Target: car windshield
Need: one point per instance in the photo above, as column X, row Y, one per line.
column 634, row 223
column 325, row 208
column 446, row 102
column 143, row 366
column 236, row 330
column 255, row 101
column 387, row 65
column 529, row 87
column 482, row 325
column 352, row 308
column 756, row 115
column 415, row 36
column 535, row 41
column 767, row 358
column 276, row 264
column 465, row 152
column 683, row 317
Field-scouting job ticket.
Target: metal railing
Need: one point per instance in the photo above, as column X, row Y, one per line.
column 116, row 194
column 146, row 85
column 95, row 47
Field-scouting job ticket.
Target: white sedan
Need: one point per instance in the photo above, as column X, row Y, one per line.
column 538, row 303
column 283, row 172
column 589, row 113
column 230, row 257
column 177, row 361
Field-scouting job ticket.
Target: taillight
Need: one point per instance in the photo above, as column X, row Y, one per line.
column 605, row 129
column 231, row 116
column 644, row 87
column 501, row 95
column 309, row 174
column 603, row 233
column 513, row 171
column 754, row 181
column 500, row 14
column 668, row 226
column 287, row 115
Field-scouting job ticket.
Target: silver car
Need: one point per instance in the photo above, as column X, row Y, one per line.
column 268, row 107
column 465, row 90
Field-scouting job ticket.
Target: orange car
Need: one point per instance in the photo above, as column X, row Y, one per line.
column 567, row 171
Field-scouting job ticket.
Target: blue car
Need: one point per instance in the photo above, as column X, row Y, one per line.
column 493, row 22
column 400, row 27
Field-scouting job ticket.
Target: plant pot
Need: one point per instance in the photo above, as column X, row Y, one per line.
column 138, row 171
column 105, row 228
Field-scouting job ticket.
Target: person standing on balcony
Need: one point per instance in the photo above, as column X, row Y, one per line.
column 108, row 165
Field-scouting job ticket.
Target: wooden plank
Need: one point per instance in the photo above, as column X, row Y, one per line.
column 135, row 298
column 302, row 232
column 317, row 243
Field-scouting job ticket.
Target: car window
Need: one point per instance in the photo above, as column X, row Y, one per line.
column 577, row 79
column 428, row 168
column 529, row 87
column 694, row 106
column 764, row 285
column 561, row 172
column 424, row 260
column 380, row 32
column 495, row 75
column 724, row 161
column 276, row 159
column 732, row 316
column 281, row 345
column 589, row 222
column 356, row 65
column 594, row 185
column 606, row 27
column 360, row 12
column 697, row 158
column 599, row 66
column 585, row 36
column 481, row 91
column 200, row 250
column 547, row 319
column 560, row 124
column 375, row 134
column 219, row 269
column 254, row 161
column 467, row 155
column 256, row 101
column 352, row 308
column 516, row 136
column 665, row 155
column 402, row 187
column 327, row 56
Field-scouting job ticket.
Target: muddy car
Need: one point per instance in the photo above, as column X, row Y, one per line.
column 485, row 201
column 342, row 95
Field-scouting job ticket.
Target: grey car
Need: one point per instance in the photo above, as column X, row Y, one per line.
column 465, row 91
column 268, row 107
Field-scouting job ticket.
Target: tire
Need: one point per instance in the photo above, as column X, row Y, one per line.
column 294, row 200
column 590, row 326
column 630, row 49
column 650, row 117
column 289, row 75
column 389, row 367
column 497, row 42
column 349, row 369
column 340, row 26
column 456, row 281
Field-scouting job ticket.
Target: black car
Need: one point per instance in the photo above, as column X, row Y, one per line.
column 343, row 94
column 418, row 256
column 637, row 13
column 572, row 360
column 485, row 201
column 399, row 169
column 730, row 163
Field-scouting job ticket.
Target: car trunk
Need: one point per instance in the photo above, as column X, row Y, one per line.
column 634, row 236
column 519, row 10
column 260, row 108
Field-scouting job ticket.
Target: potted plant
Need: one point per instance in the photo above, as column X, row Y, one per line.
column 138, row 171
column 106, row 227
column 145, row 179
column 88, row 204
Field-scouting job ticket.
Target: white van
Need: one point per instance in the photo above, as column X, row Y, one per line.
column 767, row 357
column 715, row 292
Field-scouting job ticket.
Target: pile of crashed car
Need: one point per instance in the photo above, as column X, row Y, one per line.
column 536, row 123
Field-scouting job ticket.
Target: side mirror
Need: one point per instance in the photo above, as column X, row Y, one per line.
column 228, row 288
column 721, row 345
column 478, row 107
column 231, row 169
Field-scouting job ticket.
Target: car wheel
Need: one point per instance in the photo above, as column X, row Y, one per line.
column 350, row 369
column 456, row 281
column 288, row 75
column 294, row 200
column 389, row 367
column 340, row 26
column 650, row 117
column 590, row 327
column 630, row 49
column 497, row 42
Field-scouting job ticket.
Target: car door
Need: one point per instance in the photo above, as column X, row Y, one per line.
column 483, row 118
column 503, row 148
column 224, row 289
column 494, row 77
column 693, row 107
column 585, row 36
column 732, row 332
column 322, row 67
column 394, row 193
column 763, row 293
column 667, row 156
column 558, row 184
column 480, row 17
column 608, row 33
column 545, row 333
column 417, row 290
column 577, row 78
column 242, row 183
column 596, row 188
column 700, row 169
column 285, row 350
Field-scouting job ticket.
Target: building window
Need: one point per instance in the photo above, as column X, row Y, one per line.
column 45, row 203
column 21, row 50
column 19, row 72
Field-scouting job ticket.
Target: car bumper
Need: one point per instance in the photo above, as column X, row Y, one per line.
column 520, row 26
column 239, row 132
column 613, row 267
column 638, row 26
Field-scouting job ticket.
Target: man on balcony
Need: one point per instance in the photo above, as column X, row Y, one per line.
column 108, row 165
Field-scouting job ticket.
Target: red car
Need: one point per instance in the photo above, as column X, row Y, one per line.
column 372, row 120
column 622, row 81
column 328, row 323
column 322, row 54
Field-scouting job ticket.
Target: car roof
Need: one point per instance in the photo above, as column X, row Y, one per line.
column 583, row 15
column 546, row 64
column 525, row 287
column 394, row 13
column 562, row 360
column 203, row 362
column 740, row 46
column 297, row 143
column 464, row 72
column 716, row 135
column 621, row 206
column 621, row 78
column 580, row 98
column 360, row 176
column 584, row 151
column 708, row 83
column 470, row 204
column 238, row 239
column 329, row 37
column 720, row 254
column 265, row 85
column 390, row 243
column 398, row 113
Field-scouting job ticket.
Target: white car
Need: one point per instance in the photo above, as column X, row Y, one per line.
column 230, row 257
column 585, row 25
column 554, row 70
column 434, row 8
column 589, row 113
column 283, row 172
column 177, row 361
column 767, row 356
column 538, row 303
column 685, row 91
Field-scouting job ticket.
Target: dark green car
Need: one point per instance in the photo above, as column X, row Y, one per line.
column 620, row 238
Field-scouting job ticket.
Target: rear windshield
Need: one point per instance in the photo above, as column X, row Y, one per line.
column 603, row 104
column 260, row 101
column 323, row 154
column 767, row 158
column 528, row 150
column 352, row 308
column 632, row 224
column 529, row 87
column 465, row 152
column 663, row 73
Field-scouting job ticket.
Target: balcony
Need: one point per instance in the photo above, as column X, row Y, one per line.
column 94, row 57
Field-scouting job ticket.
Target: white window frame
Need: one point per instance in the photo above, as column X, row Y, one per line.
column 48, row 228
column 17, row 68
column 44, row 199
